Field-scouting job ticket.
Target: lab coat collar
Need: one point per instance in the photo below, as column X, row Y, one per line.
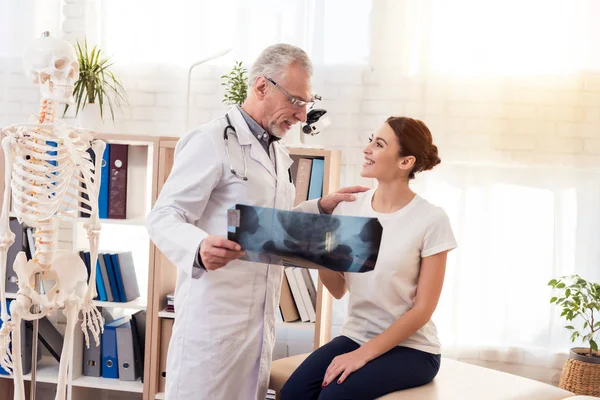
column 245, row 138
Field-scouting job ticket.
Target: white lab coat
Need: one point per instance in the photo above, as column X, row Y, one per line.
column 224, row 329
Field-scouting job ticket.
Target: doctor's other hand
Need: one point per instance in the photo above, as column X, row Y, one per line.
column 329, row 202
column 216, row 252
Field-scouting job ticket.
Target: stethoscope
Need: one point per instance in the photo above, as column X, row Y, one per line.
column 243, row 177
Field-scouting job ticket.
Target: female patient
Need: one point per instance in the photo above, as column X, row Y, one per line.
column 388, row 341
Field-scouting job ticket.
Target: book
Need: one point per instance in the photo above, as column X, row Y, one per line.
column 298, row 239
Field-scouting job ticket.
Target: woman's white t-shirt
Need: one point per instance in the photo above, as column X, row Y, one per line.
column 379, row 297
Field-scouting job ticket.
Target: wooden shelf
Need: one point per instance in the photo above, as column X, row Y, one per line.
column 137, row 221
column 166, row 314
column 151, row 163
column 46, row 371
column 137, row 304
column 109, row 384
column 294, row 325
column 297, row 325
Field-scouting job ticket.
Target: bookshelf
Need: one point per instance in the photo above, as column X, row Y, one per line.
column 150, row 162
column 127, row 234
column 165, row 274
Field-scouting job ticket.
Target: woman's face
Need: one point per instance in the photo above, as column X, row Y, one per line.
column 382, row 156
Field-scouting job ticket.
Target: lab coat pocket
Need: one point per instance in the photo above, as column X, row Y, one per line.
column 225, row 299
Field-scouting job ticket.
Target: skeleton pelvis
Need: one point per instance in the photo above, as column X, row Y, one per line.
column 67, row 271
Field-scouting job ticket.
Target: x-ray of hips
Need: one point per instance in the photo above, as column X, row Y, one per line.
column 297, row 239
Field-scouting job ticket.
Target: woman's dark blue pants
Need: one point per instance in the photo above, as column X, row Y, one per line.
column 400, row 368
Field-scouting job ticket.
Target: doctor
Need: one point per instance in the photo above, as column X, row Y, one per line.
column 224, row 329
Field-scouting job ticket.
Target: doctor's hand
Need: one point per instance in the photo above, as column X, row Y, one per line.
column 216, row 252
column 329, row 202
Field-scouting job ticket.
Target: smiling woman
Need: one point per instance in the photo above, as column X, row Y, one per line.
column 388, row 341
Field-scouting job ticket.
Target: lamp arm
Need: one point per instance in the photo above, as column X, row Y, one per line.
column 189, row 80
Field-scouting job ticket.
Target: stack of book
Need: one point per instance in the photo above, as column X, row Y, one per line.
column 307, row 175
column 298, row 293
column 298, row 301
column 112, row 197
column 116, row 279
column 120, row 354
column 170, row 302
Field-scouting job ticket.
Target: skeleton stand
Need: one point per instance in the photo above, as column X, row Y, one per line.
column 34, row 343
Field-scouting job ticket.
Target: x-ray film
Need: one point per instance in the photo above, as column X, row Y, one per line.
column 297, row 239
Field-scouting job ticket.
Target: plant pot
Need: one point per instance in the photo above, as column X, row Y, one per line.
column 581, row 373
column 89, row 118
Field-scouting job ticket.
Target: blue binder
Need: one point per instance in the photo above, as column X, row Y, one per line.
column 104, row 178
column 315, row 189
column 110, row 359
column 99, row 280
column 119, row 277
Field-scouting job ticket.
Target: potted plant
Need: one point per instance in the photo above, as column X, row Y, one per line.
column 580, row 303
column 96, row 89
column 236, row 85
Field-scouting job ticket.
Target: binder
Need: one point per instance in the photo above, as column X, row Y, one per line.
column 130, row 283
column 105, row 278
column 118, row 278
column 117, row 186
column 50, row 337
column 138, row 327
column 112, row 279
column 315, row 189
column 302, row 180
column 287, row 305
column 84, row 214
column 26, row 346
column 92, row 357
column 110, row 358
column 166, row 325
column 18, row 245
column 104, row 178
column 129, row 361
column 99, row 281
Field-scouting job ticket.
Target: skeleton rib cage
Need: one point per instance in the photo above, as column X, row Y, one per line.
column 48, row 183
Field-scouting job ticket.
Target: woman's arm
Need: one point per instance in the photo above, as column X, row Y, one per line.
column 429, row 288
column 334, row 281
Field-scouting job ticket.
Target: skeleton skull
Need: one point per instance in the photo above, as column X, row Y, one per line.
column 52, row 63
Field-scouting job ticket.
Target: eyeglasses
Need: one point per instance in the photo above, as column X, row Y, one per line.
column 293, row 100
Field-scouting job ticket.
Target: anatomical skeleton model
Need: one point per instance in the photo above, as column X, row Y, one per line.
column 46, row 164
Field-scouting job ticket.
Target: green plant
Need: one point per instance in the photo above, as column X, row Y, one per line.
column 96, row 82
column 579, row 298
column 236, row 85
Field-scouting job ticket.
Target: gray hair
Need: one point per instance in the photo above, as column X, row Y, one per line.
column 273, row 61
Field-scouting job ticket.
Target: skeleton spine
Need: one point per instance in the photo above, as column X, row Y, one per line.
column 46, row 237
column 47, row 111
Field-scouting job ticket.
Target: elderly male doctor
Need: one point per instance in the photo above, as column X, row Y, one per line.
column 224, row 329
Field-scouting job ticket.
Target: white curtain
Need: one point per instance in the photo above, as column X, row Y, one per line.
column 500, row 83
column 517, row 228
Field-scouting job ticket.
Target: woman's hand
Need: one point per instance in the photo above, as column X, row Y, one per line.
column 344, row 364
